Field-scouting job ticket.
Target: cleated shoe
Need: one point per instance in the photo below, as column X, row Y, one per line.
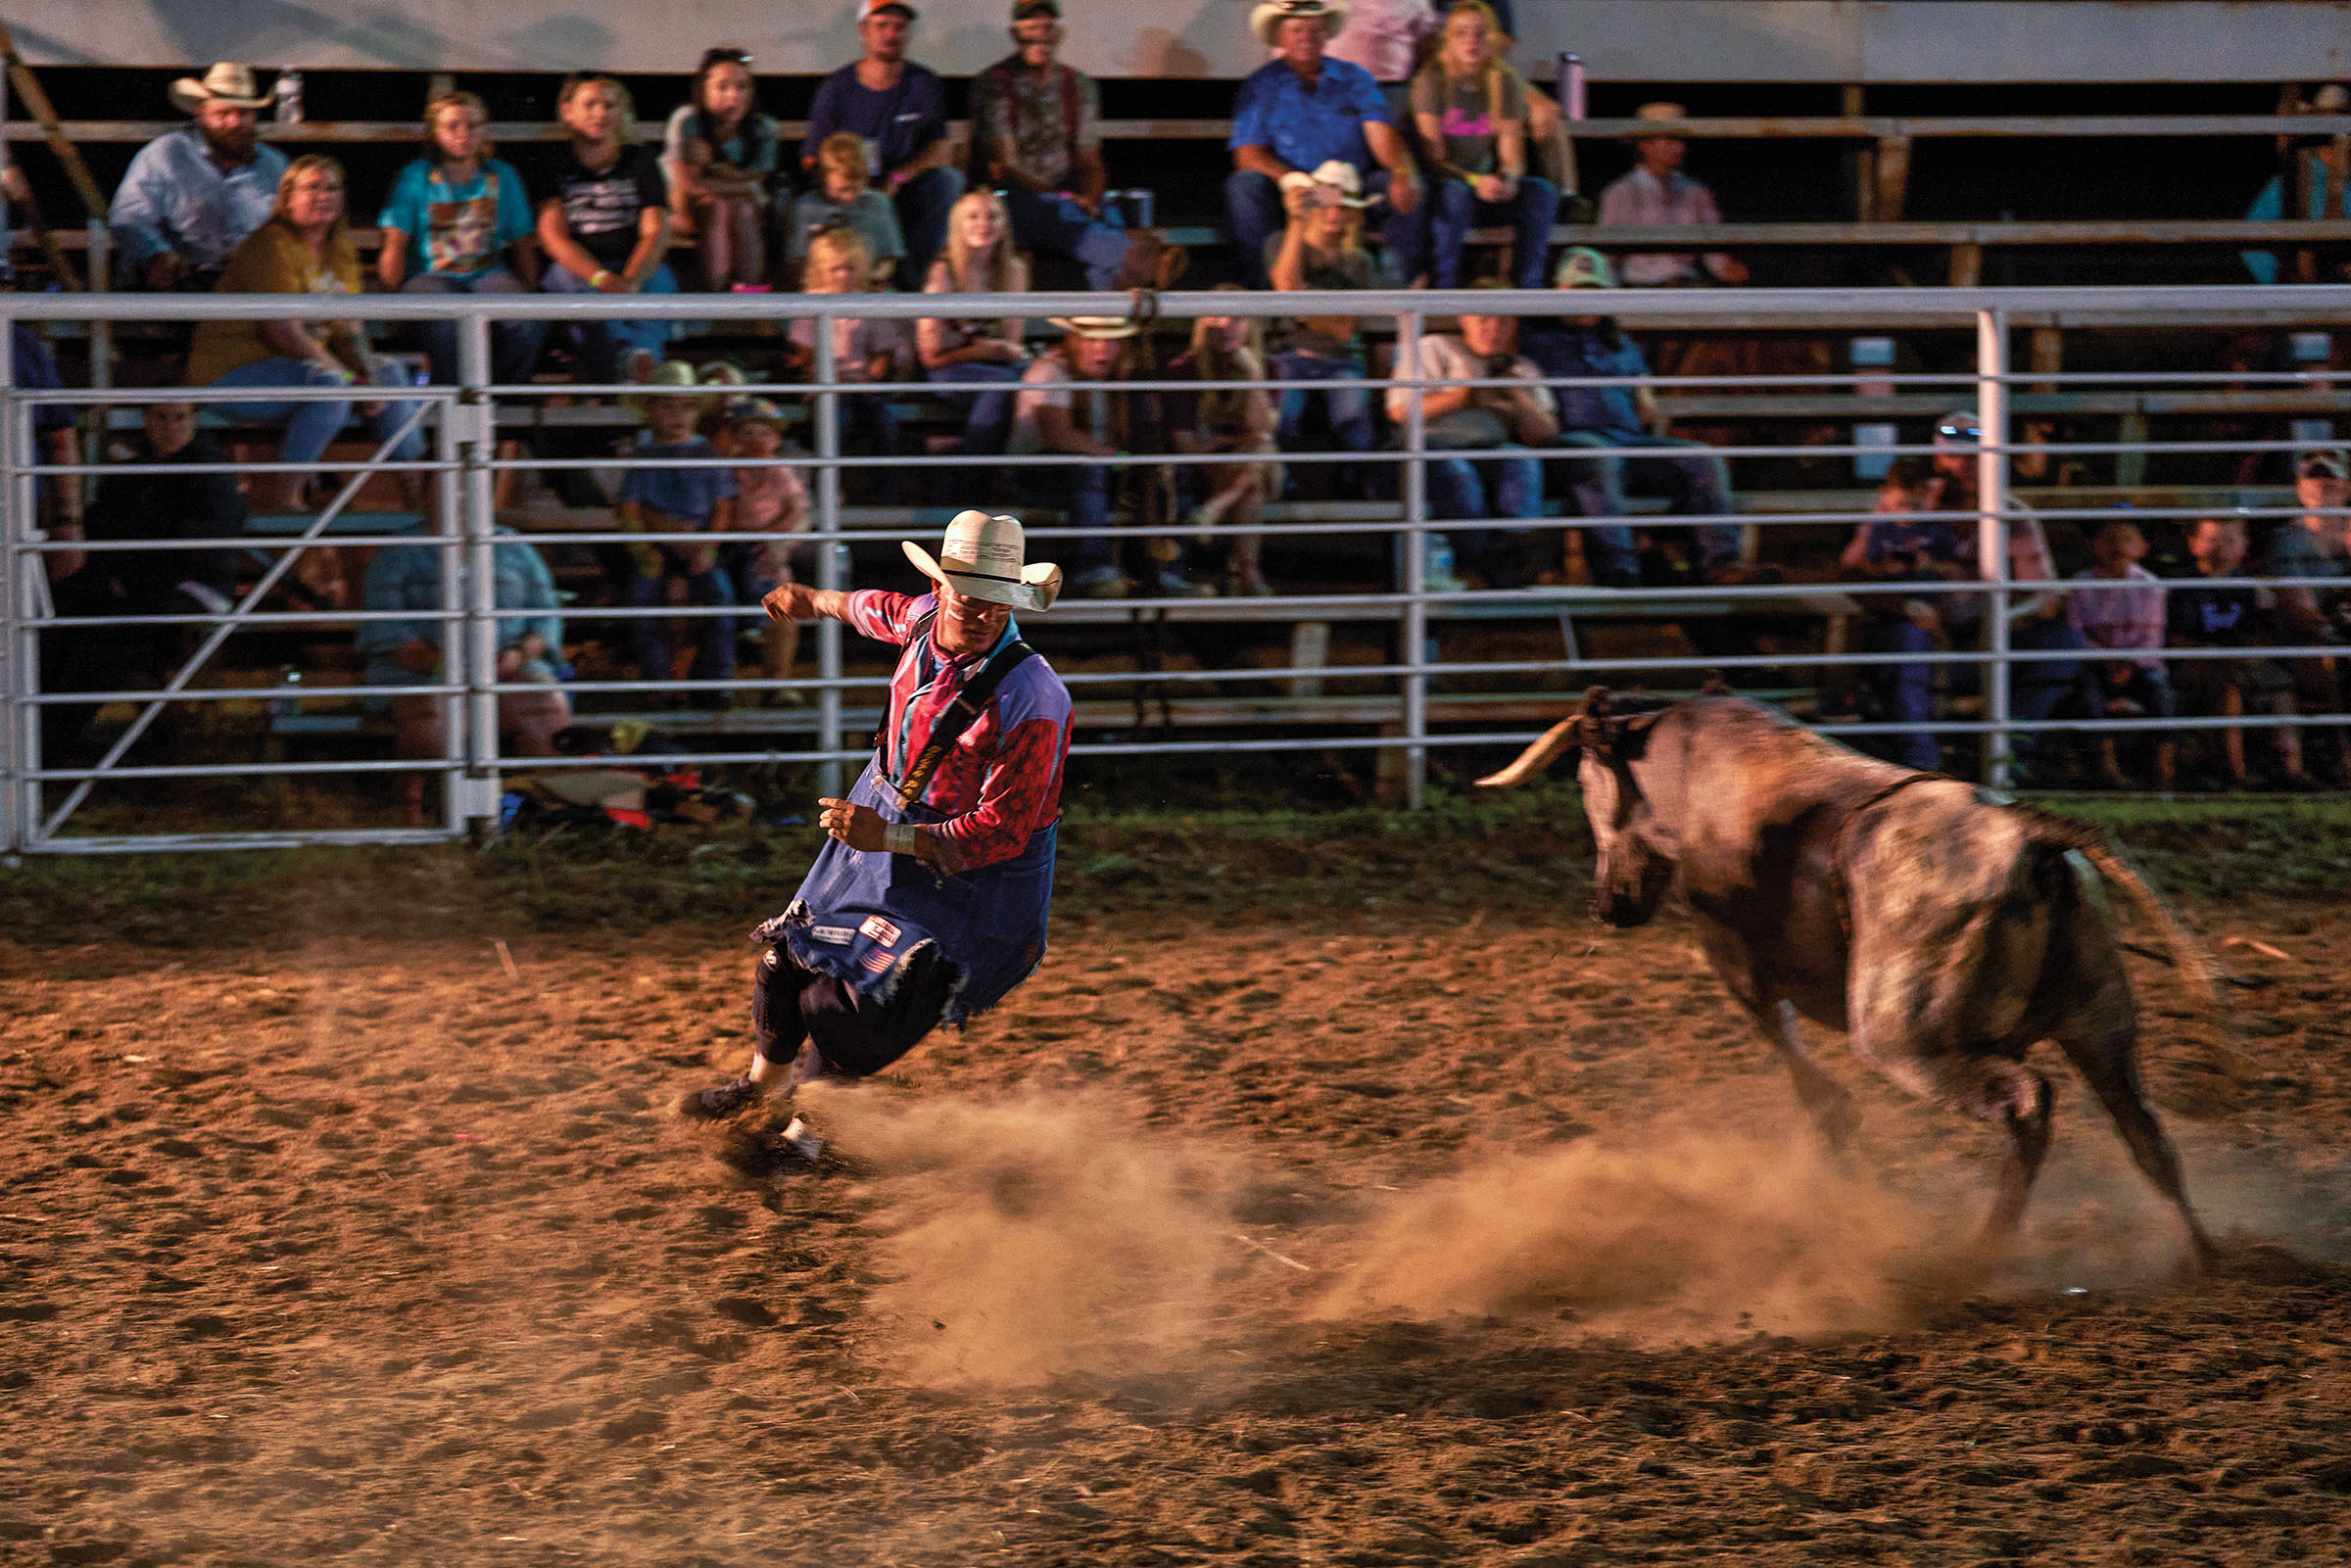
column 722, row 1102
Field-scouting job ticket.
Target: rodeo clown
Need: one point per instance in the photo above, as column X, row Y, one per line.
column 929, row 905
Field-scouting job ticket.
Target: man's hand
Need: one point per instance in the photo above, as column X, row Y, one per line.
column 793, row 601
column 858, row 826
column 1404, row 190
column 164, row 269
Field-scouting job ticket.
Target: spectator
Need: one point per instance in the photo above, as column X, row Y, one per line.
column 470, row 219
column 1064, row 408
column 1033, row 137
column 865, row 350
column 841, row 200
column 2128, row 619
column 978, row 259
column 1655, row 192
column 32, row 368
column 1503, row 419
column 1297, row 112
column 1470, row 110
column 1549, row 153
column 2311, row 184
column 1904, row 543
column 2317, row 544
column 530, row 652
column 678, row 501
column 305, row 249
column 137, row 503
column 605, row 227
column 1580, row 350
column 719, row 154
column 2219, row 616
column 1322, row 246
column 770, row 500
column 899, row 111
column 1228, row 420
column 191, row 197
column 1387, row 38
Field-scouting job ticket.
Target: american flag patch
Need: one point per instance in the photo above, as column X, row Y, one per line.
column 878, row 959
column 879, row 929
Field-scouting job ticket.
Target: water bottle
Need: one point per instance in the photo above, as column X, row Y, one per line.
column 289, row 97
column 1436, row 564
column 1571, row 86
column 288, row 701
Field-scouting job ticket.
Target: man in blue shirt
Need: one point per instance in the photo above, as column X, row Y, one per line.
column 900, row 109
column 1299, row 111
column 189, row 197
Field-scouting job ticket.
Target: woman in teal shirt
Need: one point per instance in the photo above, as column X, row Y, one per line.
column 455, row 218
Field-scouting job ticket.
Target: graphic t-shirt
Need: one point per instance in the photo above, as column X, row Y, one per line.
column 1465, row 114
column 464, row 225
column 601, row 206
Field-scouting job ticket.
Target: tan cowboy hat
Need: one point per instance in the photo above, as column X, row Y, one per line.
column 226, row 83
column 984, row 557
column 668, row 373
column 1273, row 12
column 1662, row 109
column 1335, row 173
column 1095, row 326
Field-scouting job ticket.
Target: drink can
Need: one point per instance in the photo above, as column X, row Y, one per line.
column 1141, row 207
column 1571, row 86
column 288, row 94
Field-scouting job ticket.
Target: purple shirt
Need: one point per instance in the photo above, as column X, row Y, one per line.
column 2117, row 612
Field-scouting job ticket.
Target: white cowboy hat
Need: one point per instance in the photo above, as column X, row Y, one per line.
column 1273, row 12
column 984, row 557
column 226, row 83
column 1335, row 173
column 1095, row 326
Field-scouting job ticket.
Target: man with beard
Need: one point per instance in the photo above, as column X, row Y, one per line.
column 189, row 197
column 899, row 111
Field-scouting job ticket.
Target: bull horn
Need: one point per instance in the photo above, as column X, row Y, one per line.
column 1537, row 757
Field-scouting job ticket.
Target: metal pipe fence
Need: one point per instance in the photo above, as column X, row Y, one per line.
column 1396, row 694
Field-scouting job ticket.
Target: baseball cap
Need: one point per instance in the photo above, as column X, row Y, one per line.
column 1960, row 424
column 2326, row 462
column 873, row 8
column 1023, row 10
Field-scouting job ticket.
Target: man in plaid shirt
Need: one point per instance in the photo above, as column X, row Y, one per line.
column 930, row 903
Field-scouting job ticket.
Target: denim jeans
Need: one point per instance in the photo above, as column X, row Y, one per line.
column 987, row 416
column 513, row 344
column 1081, row 492
column 310, row 426
column 1046, row 222
column 1452, row 210
column 1904, row 692
column 1346, row 409
column 922, row 204
column 606, row 346
column 1688, row 474
column 649, row 634
column 1253, row 214
column 1488, row 487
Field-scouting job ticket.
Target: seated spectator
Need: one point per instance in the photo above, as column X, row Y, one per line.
column 1389, row 38
column 605, row 225
column 529, row 653
column 2124, row 619
column 2317, row 544
column 1470, row 110
column 191, row 197
column 1322, row 246
column 136, row 504
column 2039, row 690
column 978, row 259
column 1621, row 418
column 1299, row 112
column 469, row 220
column 840, row 200
column 1496, row 419
column 32, row 368
column 1065, row 408
column 2218, row 616
column 1549, row 153
column 305, row 249
column 678, row 501
column 899, row 111
column 1033, row 137
column 865, row 350
column 719, row 153
column 770, row 500
column 1904, row 543
column 1655, row 191
column 2312, row 184
column 1228, row 420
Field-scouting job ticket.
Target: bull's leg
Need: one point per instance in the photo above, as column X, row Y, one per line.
column 1829, row 1102
column 2107, row 1058
column 2021, row 1099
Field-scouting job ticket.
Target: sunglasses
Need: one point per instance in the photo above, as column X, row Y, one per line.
column 1953, row 430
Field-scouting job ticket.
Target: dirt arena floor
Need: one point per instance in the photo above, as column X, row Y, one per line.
column 1320, row 1221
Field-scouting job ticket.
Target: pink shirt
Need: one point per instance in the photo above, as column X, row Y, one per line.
column 2119, row 612
column 1379, row 36
column 1640, row 198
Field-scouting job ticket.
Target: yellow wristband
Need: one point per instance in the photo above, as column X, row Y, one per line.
column 596, row 278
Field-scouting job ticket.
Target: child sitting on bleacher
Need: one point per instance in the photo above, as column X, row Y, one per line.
column 670, row 500
column 864, row 349
column 769, row 500
column 844, row 198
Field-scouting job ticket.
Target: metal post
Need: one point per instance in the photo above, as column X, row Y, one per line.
column 1992, row 531
column 17, row 755
column 449, row 560
column 828, row 552
column 1415, row 567
column 476, row 447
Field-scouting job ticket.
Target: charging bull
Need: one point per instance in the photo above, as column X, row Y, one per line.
column 1943, row 930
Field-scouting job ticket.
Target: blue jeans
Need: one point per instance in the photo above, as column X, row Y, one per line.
column 1693, row 480
column 1081, row 492
column 987, row 416
column 650, row 634
column 1488, row 487
column 310, row 426
column 1453, row 210
column 1253, row 211
column 605, row 346
column 513, row 344
column 923, row 203
column 1905, row 691
column 1058, row 226
column 1347, row 410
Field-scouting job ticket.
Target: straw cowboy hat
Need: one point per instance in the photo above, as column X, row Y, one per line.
column 984, row 557
column 1661, row 110
column 226, row 83
column 1335, row 173
column 1273, row 13
column 1095, row 326
column 668, row 373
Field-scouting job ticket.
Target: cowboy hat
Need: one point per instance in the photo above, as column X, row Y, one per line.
column 1095, row 326
column 1661, row 110
column 984, row 557
column 668, row 373
column 226, row 83
column 1273, row 13
column 1335, row 173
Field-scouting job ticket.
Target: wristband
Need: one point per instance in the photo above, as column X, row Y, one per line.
column 597, row 278
column 899, row 838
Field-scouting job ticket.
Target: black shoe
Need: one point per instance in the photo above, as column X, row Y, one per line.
column 721, row 1102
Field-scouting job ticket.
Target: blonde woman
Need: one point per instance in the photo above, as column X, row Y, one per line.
column 1471, row 111
column 458, row 221
column 978, row 259
column 605, row 225
column 1227, row 419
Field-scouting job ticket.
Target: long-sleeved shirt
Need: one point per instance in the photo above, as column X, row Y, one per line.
column 136, row 503
column 2119, row 613
column 1000, row 784
column 174, row 198
column 408, row 576
column 1640, row 198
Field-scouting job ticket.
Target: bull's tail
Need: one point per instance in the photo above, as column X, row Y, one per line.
column 2187, row 955
column 1535, row 758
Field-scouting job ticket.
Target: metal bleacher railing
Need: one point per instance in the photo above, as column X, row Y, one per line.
column 1413, row 700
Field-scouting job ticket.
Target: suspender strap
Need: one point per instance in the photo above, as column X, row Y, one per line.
column 959, row 715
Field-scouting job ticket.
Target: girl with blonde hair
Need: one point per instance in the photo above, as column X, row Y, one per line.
column 1471, row 111
column 605, row 226
column 865, row 350
column 978, row 259
column 1230, row 419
